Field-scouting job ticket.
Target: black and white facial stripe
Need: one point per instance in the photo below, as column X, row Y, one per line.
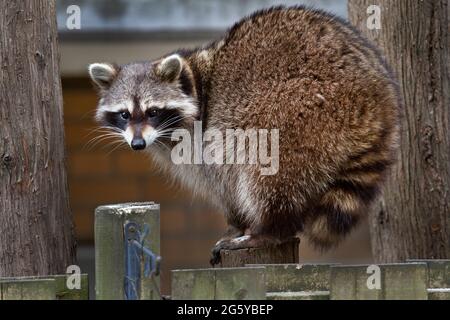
column 141, row 128
column 145, row 101
column 155, row 117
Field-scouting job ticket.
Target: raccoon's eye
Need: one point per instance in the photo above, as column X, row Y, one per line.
column 152, row 112
column 125, row 115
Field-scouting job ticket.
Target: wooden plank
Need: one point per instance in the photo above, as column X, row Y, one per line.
column 302, row 295
column 109, row 254
column 195, row 284
column 64, row 293
column 109, row 247
column 240, row 284
column 438, row 272
column 402, row 281
column 296, row 277
column 405, row 281
column 283, row 253
column 350, row 283
column 30, row 289
column 61, row 290
column 219, row 284
column 438, row 294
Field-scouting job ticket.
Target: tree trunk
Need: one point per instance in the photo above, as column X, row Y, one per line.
column 36, row 231
column 413, row 220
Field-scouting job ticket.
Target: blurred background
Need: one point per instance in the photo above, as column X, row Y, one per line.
column 128, row 30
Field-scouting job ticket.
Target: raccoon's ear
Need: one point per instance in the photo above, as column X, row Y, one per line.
column 169, row 69
column 103, row 74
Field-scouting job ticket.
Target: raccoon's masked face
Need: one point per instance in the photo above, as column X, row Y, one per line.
column 144, row 102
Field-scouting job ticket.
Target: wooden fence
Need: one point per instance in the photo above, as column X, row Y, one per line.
column 413, row 280
column 125, row 273
column 43, row 288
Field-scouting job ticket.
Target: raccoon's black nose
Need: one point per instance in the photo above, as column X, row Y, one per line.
column 138, row 144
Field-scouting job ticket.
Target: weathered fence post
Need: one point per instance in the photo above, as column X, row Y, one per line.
column 219, row 284
column 398, row 281
column 297, row 281
column 43, row 288
column 284, row 253
column 110, row 247
column 28, row 289
column 438, row 278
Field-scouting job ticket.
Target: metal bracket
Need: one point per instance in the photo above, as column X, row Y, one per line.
column 135, row 254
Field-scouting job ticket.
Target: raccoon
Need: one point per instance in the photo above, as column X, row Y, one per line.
column 305, row 72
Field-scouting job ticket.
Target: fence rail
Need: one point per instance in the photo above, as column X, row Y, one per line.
column 413, row 280
column 43, row 288
column 127, row 240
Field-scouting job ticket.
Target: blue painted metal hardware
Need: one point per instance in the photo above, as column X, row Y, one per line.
column 137, row 254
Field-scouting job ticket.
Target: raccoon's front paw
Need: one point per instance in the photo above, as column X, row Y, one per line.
column 223, row 244
column 215, row 257
column 215, row 252
column 243, row 242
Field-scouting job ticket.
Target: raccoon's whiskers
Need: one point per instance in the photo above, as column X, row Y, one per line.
column 167, row 123
column 159, row 143
column 112, row 144
column 120, row 144
column 96, row 140
column 168, row 136
column 90, row 112
column 166, row 133
column 170, row 121
column 102, row 129
column 101, row 137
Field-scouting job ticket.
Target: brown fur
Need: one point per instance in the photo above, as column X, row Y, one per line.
column 332, row 97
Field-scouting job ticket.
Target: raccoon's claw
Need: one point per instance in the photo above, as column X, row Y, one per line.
column 243, row 242
column 222, row 244
column 215, row 257
column 231, row 234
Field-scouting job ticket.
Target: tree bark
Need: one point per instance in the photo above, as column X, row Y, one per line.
column 36, row 231
column 413, row 220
